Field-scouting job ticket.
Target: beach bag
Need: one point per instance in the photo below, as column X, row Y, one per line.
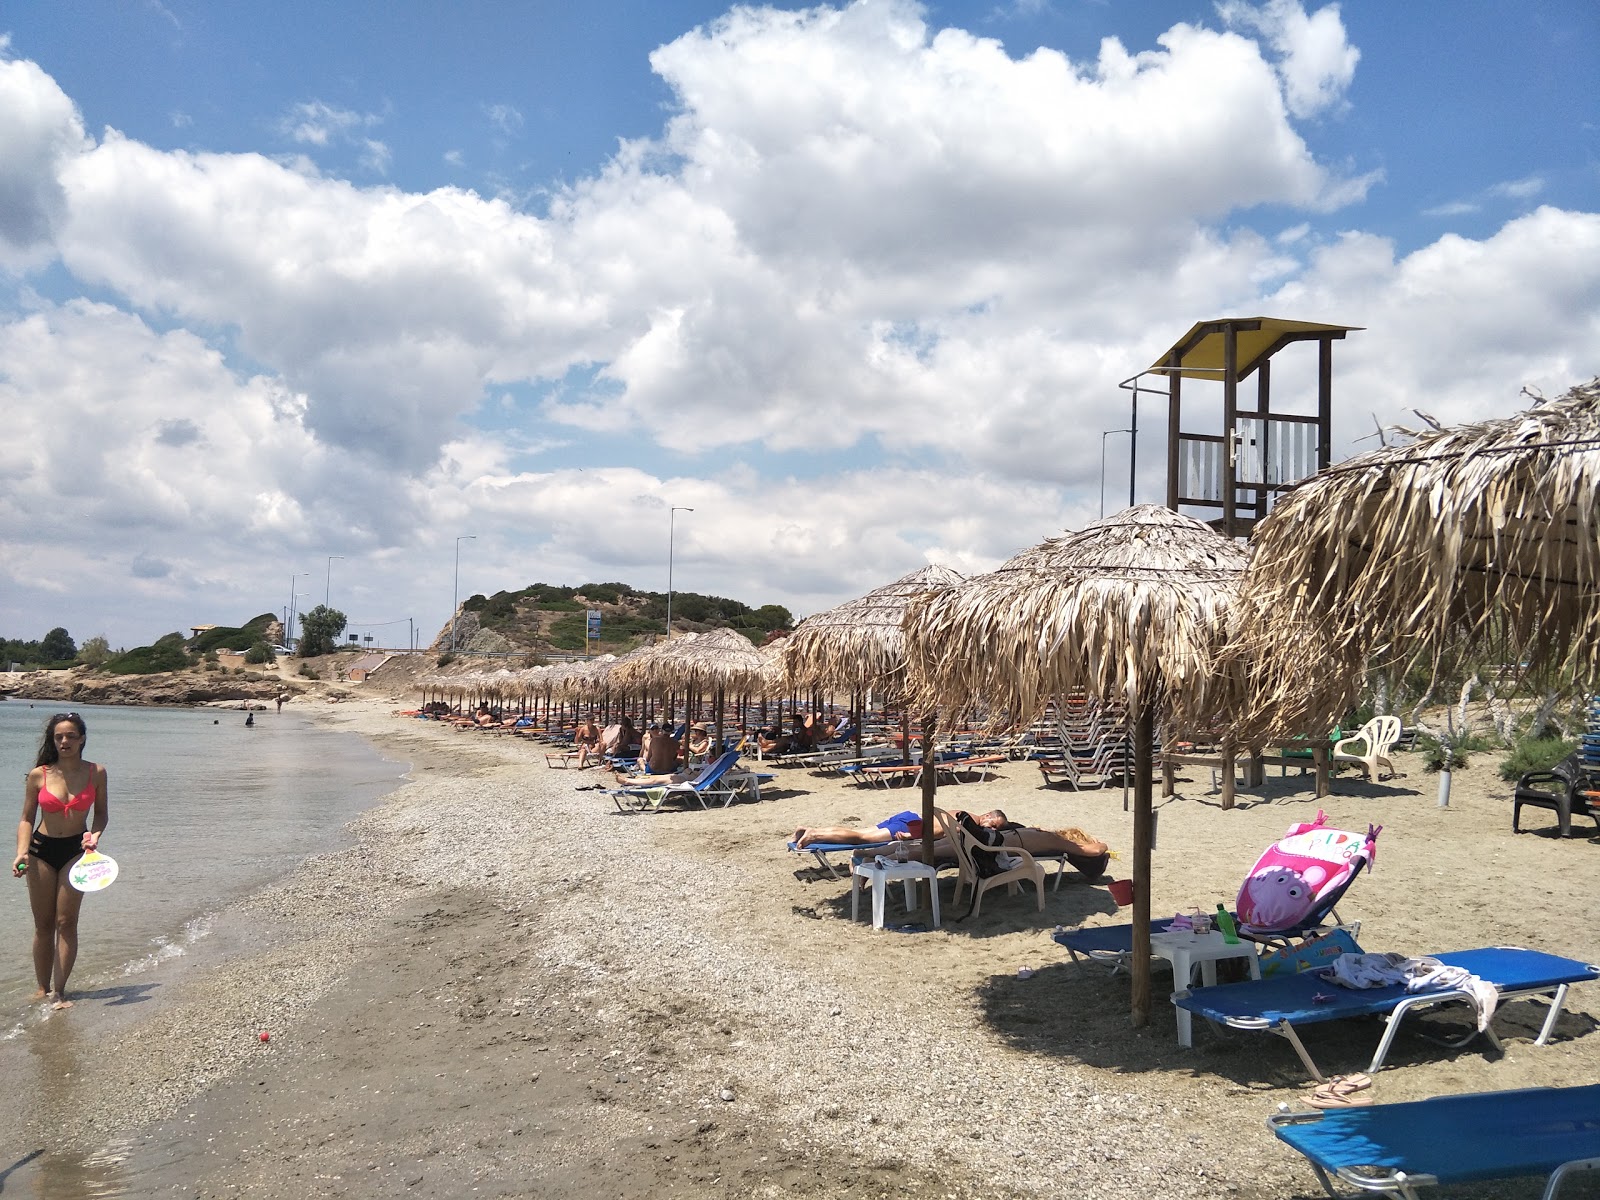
column 984, row 862
column 1316, row 953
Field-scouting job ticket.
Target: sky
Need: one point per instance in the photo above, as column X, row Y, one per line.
column 387, row 303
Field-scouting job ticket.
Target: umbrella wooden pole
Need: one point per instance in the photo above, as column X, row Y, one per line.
column 930, row 786
column 1143, row 743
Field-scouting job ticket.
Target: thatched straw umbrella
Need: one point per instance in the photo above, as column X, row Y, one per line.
column 1482, row 538
column 861, row 646
column 1135, row 606
column 720, row 659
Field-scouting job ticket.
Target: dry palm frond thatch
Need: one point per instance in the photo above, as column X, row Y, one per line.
column 860, row 645
column 1134, row 605
column 1482, row 538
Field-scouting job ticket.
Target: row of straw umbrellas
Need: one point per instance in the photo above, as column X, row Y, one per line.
column 1475, row 539
column 718, row 662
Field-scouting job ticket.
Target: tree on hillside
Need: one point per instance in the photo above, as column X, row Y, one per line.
column 94, row 652
column 772, row 616
column 58, row 646
column 319, row 631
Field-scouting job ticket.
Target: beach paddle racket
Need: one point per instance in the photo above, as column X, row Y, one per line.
column 93, row 872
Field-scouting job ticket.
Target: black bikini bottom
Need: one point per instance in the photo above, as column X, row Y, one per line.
column 57, row 852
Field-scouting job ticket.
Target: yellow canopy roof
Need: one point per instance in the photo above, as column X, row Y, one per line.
column 1199, row 352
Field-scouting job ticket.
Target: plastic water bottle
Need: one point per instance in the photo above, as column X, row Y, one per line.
column 1230, row 931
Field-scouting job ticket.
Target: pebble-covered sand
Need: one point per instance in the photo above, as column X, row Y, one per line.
column 509, row 989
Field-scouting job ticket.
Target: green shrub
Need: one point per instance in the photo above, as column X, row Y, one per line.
column 258, row 653
column 1433, row 756
column 1534, row 754
column 446, row 659
column 307, row 671
column 167, row 654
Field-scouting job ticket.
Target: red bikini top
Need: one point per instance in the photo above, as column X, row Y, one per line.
column 53, row 804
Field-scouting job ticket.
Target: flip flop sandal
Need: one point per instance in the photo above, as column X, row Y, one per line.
column 1334, row 1095
column 1357, row 1081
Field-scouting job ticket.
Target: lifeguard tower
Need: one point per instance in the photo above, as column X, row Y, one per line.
column 1234, row 475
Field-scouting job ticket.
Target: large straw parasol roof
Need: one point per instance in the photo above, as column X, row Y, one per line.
column 861, row 644
column 719, row 658
column 1480, row 538
column 1132, row 602
column 1135, row 605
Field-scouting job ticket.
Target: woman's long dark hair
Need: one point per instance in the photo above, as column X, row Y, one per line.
column 48, row 755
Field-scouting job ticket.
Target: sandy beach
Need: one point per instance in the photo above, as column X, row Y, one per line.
column 508, row 989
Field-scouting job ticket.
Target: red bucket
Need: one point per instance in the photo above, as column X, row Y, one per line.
column 1121, row 891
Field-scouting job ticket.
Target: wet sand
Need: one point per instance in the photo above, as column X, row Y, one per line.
column 507, row 989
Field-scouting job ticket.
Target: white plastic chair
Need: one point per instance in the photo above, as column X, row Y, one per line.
column 1029, row 868
column 1378, row 737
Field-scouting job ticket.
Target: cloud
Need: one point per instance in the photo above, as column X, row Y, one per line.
column 314, row 123
column 1518, row 189
column 1316, row 63
column 40, row 133
column 863, row 302
column 505, row 118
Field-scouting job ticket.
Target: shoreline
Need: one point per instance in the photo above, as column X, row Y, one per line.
column 589, row 992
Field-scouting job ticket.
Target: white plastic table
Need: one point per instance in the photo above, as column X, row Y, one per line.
column 879, row 876
column 1186, row 951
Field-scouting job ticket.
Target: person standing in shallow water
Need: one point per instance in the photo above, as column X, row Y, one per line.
column 64, row 812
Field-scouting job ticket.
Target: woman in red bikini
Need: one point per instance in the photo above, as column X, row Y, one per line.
column 64, row 791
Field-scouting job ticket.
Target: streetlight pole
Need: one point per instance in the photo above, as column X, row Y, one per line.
column 1103, row 436
column 327, row 589
column 288, row 629
column 455, row 593
column 672, row 515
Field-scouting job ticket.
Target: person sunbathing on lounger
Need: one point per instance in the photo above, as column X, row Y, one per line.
column 902, row 827
column 798, row 740
column 586, row 740
column 899, row 828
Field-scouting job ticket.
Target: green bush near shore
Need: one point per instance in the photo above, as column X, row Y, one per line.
column 1534, row 754
column 167, row 654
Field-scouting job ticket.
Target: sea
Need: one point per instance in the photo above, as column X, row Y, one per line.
column 203, row 811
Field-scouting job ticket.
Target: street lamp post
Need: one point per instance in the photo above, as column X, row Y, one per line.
column 288, row 628
column 294, row 611
column 327, row 588
column 1103, row 436
column 455, row 593
column 672, row 515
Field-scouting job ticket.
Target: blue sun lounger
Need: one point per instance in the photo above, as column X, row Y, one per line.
column 1111, row 945
column 821, row 850
column 1284, row 1002
column 1399, row 1148
column 708, row 783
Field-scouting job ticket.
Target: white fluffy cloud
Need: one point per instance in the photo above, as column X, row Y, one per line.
column 866, row 298
column 40, row 132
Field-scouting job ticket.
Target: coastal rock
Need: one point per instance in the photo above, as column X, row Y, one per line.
column 184, row 688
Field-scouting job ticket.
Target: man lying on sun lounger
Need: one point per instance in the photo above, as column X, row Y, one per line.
column 907, row 826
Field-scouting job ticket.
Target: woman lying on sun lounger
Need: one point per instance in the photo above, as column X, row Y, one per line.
column 907, row 826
